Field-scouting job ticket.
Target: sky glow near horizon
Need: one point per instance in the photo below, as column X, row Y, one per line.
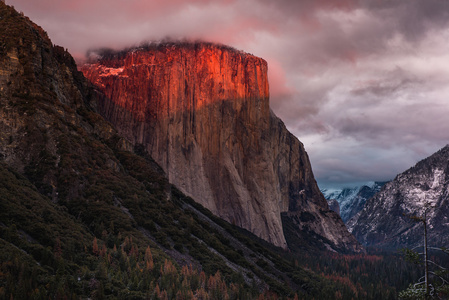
column 363, row 84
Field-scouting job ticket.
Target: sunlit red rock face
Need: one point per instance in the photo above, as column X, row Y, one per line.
column 202, row 112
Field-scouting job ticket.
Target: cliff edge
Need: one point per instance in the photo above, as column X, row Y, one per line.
column 202, row 112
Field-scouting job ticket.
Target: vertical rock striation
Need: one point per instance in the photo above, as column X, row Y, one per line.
column 202, row 112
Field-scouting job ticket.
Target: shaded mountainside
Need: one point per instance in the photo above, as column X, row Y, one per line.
column 383, row 221
column 202, row 112
column 85, row 214
column 352, row 200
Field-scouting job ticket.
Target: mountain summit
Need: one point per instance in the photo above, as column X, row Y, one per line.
column 352, row 199
column 202, row 111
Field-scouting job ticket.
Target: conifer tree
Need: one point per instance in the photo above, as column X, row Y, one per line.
column 426, row 288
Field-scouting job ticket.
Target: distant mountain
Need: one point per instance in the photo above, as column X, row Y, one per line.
column 384, row 220
column 352, row 200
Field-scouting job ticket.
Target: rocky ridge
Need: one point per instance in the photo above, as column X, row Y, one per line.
column 202, row 112
column 384, row 220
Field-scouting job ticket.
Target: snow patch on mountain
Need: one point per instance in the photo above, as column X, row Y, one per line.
column 352, row 199
column 385, row 222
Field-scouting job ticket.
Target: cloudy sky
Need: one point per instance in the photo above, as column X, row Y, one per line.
column 363, row 84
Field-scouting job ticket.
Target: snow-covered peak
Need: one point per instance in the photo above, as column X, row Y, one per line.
column 352, row 199
column 384, row 219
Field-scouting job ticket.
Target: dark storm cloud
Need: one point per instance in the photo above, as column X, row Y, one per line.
column 384, row 89
column 386, row 72
column 362, row 83
column 412, row 18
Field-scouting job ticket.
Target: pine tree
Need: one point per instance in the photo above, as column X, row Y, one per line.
column 425, row 288
column 149, row 264
column 95, row 246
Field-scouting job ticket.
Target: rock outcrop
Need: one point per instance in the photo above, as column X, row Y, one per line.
column 334, row 205
column 202, row 112
column 384, row 220
column 43, row 111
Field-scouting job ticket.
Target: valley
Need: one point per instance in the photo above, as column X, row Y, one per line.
column 160, row 172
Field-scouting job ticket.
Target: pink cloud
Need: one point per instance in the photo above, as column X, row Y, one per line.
column 278, row 82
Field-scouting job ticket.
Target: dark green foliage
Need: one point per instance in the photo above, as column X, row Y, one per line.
column 439, row 274
column 15, row 32
column 376, row 275
column 411, row 256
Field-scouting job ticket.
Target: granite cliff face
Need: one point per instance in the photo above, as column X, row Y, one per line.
column 70, row 183
column 202, row 112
